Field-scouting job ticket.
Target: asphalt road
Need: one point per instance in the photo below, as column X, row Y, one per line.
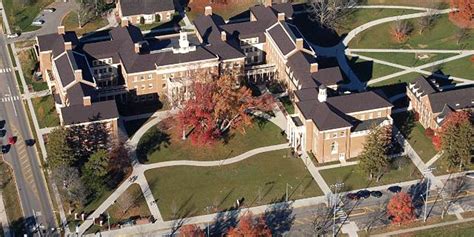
column 23, row 159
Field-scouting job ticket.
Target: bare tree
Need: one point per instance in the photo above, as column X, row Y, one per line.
column 69, row 182
column 322, row 222
column 328, row 13
column 461, row 35
column 452, row 190
column 401, row 30
column 427, row 21
column 128, row 200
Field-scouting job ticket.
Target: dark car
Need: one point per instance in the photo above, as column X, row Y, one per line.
column 2, row 124
column 363, row 194
column 352, row 196
column 376, row 194
column 30, row 142
column 2, row 133
column 395, row 189
column 5, row 149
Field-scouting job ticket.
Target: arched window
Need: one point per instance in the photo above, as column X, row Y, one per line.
column 334, row 148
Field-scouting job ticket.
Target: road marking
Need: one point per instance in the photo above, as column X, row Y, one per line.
column 3, row 70
column 9, row 98
column 14, row 108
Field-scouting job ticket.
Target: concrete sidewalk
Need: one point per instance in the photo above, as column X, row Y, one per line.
column 4, row 218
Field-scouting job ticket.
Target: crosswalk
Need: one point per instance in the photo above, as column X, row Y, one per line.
column 9, row 99
column 3, row 70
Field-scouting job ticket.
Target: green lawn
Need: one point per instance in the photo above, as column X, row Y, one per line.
column 406, row 78
column 402, row 169
column 20, row 15
column 406, row 59
column 234, row 7
column 362, row 16
column 465, row 229
column 29, row 65
column 419, row 3
column 463, row 68
column 11, row 199
column 288, row 104
column 46, row 111
column 367, row 70
column 130, row 205
column 415, row 133
column 442, row 167
column 261, row 179
column 70, row 23
column 157, row 145
column 440, row 36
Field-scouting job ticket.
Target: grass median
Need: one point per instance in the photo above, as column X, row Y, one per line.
column 261, row 179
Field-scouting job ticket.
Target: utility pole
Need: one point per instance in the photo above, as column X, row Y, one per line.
column 336, row 186
column 428, row 182
column 108, row 220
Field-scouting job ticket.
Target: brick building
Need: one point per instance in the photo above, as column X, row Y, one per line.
column 145, row 11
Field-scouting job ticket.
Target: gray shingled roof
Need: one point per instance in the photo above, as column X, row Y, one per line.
column 323, row 115
column 424, row 86
column 328, row 76
column 282, row 39
column 138, row 7
column 456, row 99
column 367, row 124
column 358, row 102
column 76, row 114
column 65, row 71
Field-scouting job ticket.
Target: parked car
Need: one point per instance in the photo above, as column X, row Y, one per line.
column 470, row 175
column 395, row 189
column 5, row 149
column 2, row 133
column 37, row 22
column 363, row 194
column 11, row 140
column 352, row 196
column 376, row 194
column 50, row 9
column 2, row 124
column 12, row 35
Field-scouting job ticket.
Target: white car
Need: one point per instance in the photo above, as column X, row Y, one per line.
column 49, row 10
column 38, row 22
column 12, row 36
column 470, row 175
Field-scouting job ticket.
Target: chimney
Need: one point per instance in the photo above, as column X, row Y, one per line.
column 267, row 3
column 223, row 36
column 87, row 101
column 137, row 47
column 299, row 43
column 68, row 45
column 61, row 30
column 313, row 68
column 124, row 22
column 78, row 74
column 322, row 94
column 281, row 16
column 208, row 11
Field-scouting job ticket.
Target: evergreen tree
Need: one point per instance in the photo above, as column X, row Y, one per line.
column 457, row 136
column 374, row 157
column 59, row 151
column 98, row 163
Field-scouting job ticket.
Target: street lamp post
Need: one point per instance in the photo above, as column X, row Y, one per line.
column 425, row 172
column 336, row 186
column 286, row 196
column 208, row 223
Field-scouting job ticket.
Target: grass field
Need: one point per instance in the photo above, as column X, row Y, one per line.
column 463, row 67
column 20, row 15
column 406, row 59
column 157, row 145
column 418, row 3
column 409, row 77
column 465, row 229
column 11, row 199
column 367, row 70
column 261, row 179
column 441, row 36
column 130, row 204
column 442, row 167
column 29, row 65
column 402, row 169
column 46, row 111
column 70, row 23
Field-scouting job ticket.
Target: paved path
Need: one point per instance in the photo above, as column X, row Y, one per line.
column 393, row 7
column 150, row 199
column 350, row 228
column 44, row 131
column 353, row 33
column 348, row 163
column 447, row 51
column 37, row 94
column 398, row 232
column 434, row 159
column 4, row 218
column 150, row 115
column 315, row 173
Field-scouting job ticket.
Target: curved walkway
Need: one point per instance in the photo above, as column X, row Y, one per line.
column 394, row 7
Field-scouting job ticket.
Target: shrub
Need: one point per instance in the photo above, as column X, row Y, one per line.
column 429, row 133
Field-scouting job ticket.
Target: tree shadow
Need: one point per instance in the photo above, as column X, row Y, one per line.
column 153, row 140
column 314, row 33
column 222, row 222
column 279, row 217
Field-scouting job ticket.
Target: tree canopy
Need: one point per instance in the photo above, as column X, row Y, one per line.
column 249, row 227
column 59, row 151
column 401, row 209
column 374, row 157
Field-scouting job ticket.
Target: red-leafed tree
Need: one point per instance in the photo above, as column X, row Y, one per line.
column 464, row 16
column 400, row 208
column 249, row 227
column 191, row 231
column 217, row 107
column 455, row 138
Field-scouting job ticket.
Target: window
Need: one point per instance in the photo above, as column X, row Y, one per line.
column 334, row 135
column 342, row 134
column 142, row 78
column 379, row 114
column 334, row 148
column 110, row 69
column 143, row 87
column 149, row 76
column 150, row 85
column 163, row 86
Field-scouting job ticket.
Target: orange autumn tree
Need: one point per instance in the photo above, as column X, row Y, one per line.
column 218, row 107
column 249, row 227
column 191, row 231
column 401, row 209
column 455, row 137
